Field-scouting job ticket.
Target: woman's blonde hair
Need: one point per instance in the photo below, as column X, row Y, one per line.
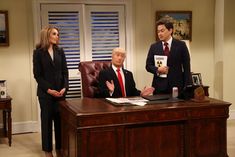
column 44, row 37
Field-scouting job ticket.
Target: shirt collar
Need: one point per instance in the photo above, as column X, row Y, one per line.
column 169, row 42
column 115, row 68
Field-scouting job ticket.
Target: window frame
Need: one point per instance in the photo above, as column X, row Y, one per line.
column 128, row 22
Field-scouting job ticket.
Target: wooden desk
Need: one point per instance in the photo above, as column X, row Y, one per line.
column 96, row 128
column 5, row 106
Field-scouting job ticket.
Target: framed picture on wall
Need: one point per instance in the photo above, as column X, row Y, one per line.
column 4, row 30
column 197, row 79
column 182, row 21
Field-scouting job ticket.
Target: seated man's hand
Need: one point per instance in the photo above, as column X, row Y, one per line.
column 110, row 85
column 62, row 91
column 147, row 91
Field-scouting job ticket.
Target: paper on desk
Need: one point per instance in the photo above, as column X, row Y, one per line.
column 132, row 100
column 139, row 103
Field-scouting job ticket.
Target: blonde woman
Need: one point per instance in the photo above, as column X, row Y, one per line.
column 51, row 73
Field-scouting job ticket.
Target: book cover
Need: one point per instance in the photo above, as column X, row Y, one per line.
column 160, row 61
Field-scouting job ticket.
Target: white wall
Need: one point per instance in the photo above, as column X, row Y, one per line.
column 219, row 48
column 144, row 36
column 229, row 53
column 15, row 62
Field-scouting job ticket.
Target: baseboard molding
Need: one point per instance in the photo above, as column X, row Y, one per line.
column 24, row 127
column 231, row 114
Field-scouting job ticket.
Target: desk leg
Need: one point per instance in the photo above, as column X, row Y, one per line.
column 4, row 123
column 9, row 127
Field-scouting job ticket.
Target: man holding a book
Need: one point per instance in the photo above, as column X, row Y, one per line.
column 168, row 60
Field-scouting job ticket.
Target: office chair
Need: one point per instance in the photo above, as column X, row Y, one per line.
column 89, row 75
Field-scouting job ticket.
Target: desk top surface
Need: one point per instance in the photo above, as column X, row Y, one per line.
column 91, row 106
column 5, row 99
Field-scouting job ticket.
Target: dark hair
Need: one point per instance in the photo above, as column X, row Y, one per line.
column 167, row 21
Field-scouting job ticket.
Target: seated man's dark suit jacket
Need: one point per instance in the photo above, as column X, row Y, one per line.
column 179, row 73
column 108, row 75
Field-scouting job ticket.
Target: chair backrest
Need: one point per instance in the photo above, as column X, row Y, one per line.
column 89, row 75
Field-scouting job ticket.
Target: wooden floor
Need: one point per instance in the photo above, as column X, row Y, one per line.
column 29, row 145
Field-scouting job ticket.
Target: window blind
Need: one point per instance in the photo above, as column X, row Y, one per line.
column 104, row 34
column 68, row 24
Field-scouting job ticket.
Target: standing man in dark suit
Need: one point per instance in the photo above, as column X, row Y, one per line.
column 177, row 70
column 117, row 81
column 51, row 73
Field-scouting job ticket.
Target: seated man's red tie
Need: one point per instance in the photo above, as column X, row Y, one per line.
column 121, row 82
column 166, row 50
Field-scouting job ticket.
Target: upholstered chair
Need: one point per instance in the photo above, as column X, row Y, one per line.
column 89, row 75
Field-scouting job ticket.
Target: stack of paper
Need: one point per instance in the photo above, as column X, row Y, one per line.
column 133, row 100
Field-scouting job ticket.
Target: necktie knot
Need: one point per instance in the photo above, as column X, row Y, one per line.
column 118, row 69
column 165, row 44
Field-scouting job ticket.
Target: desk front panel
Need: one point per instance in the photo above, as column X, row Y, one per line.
column 157, row 139
column 208, row 137
column 185, row 129
column 163, row 139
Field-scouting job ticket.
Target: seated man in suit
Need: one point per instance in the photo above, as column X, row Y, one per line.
column 117, row 81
